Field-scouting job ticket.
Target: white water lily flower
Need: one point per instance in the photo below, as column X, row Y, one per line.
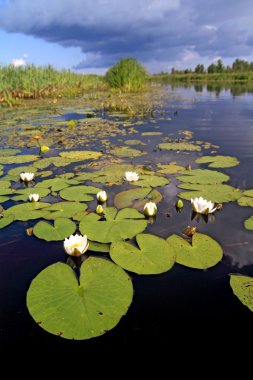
column 102, row 196
column 150, row 209
column 131, row 176
column 26, row 177
column 34, row 197
column 76, row 245
column 202, row 206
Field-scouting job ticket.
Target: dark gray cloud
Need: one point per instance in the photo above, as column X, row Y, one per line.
column 160, row 33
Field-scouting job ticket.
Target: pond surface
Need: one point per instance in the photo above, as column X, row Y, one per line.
column 182, row 302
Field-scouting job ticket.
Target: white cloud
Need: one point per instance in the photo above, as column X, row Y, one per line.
column 16, row 62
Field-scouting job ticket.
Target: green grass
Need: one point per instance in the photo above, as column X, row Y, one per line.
column 205, row 77
column 31, row 82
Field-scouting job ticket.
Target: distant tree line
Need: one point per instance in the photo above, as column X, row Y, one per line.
column 239, row 65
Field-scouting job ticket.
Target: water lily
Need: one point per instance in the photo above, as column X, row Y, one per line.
column 202, row 206
column 99, row 210
column 131, row 176
column 102, row 196
column 150, row 209
column 26, row 177
column 34, row 197
column 76, row 245
column 179, row 204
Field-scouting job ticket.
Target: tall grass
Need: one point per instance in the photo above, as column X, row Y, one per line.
column 127, row 75
column 205, row 77
column 36, row 82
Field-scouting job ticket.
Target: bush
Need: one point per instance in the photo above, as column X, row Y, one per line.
column 127, row 75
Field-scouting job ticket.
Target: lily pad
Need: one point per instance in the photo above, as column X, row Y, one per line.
column 125, row 151
column 137, row 198
column 18, row 159
column 248, row 223
column 152, row 133
column 72, row 310
column 134, row 142
column 152, row 180
column 61, row 229
column 121, row 225
column 81, row 155
column 218, row 193
column 152, row 257
column 243, row 289
column 171, row 168
column 180, row 146
column 55, row 184
column 203, row 176
column 79, row 193
column 23, row 194
column 64, row 210
column 98, row 247
column 218, row 161
column 204, row 252
column 27, row 211
column 246, row 199
column 6, row 221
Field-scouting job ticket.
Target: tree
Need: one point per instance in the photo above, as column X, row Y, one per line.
column 211, row 68
column 220, row 68
column 199, row 69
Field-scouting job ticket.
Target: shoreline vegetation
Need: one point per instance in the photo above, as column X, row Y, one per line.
column 127, row 76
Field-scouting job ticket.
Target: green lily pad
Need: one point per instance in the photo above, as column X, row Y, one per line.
column 18, row 159
column 134, row 142
column 121, row 225
column 152, row 180
column 248, row 223
column 6, row 221
column 125, row 151
column 23, row 194
column 55, row 184
column 72, row 310
column 111, row 174
column 81, row 155
column 180, row 146
column 152, row 257
column 152, row 133
column 204, row 252
column 243, row 289
column 61, row 229
column 64, row 210
column 171, row 168
column 218, row 161
column 246, row 199
column 79, row 193
column 203, row 176
column 218, row 193
column 9, row 152
column 27, row 211
column 4, row 184
column 98, row 247
column 137, row 198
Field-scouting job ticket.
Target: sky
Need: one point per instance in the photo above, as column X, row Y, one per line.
column 89, row 36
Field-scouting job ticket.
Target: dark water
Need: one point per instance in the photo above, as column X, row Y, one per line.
column 180, row 305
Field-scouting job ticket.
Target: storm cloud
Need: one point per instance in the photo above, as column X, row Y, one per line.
column 160, row 33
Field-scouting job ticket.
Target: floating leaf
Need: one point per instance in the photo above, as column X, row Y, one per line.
column 153, row 256
column 248, row 223
column 81, row 155
column 55, row 184
column 137, row 197
column 152, row 133
column 243, row 289
column 72, row 310
column 79, row 193
column 64, row 210
column 218, row 193
column 179, row 146
column 99, row 247
column 171, row 168
column 204, row 252
column 152, row 180
column 246, row 199
column 61, row 229
column 6, row 221
column 125, row 151
column 18, row 159
column 23, row 194
column 9, row 152
column 122, row 225
column 27, row 211
column 218, row 161
column 203, row 176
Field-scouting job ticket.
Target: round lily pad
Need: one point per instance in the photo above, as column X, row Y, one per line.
column 218, row 161
column 203, row 176
column 61, row 229
column 202, row 253
column 243, row 289
column 79, row 193
column 248, row 223
column 64, row 210
column 153, row 256
column 72, row 310
column 179, row 146
column 137, row 197
column 27, row 211
column 219, row 193
column 6, row 221
column 121, row 225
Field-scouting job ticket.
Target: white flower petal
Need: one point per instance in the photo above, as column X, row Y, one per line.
column 202, row 206
column 76, row 245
